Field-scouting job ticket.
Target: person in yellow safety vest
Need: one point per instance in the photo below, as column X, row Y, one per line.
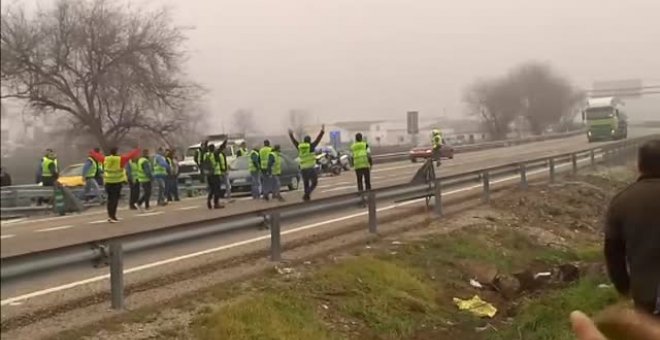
column 266, row 176
column 254, row 165
column 307, row 156
column 362, row 162
column 113, row 177
column 161, row 171
column 214, row 167
column 91, row 172
column 242, row 150
column 436, row 141
column 48, row 170
column 132, row 179
column 144, row 177
column 275, row 169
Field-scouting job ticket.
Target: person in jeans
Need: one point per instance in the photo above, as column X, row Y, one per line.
column 91, row 172
column 632, row 234
column 275, row 170
column 134, row 184
column 307, row 155
column 161, row 170
column 254, row 167
column 113, row 166
column 173, row 178
column 144, row 177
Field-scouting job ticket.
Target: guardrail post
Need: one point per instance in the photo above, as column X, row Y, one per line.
column 117, row 275
column 275, row 244
column 485, row 198
column 574, row 162
column 373, row 220
column 438, row 197
column 551, row 166
column 523, row 177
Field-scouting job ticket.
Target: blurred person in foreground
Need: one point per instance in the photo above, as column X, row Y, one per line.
column 632, row 234
column 615, row 323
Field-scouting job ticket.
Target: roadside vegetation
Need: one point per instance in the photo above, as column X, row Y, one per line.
column 536, row 256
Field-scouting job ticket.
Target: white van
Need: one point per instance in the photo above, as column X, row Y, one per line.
column 188, row 168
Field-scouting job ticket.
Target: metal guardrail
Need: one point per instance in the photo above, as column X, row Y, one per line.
column 112, row 250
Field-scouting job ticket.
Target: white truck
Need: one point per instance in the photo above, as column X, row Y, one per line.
column 188, row 169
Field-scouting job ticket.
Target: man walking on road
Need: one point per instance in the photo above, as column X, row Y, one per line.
column 275, row 170
column 91, row 172
column 173, row 178
column 306, row 153
column 161, row 172
column 266, row 176
column 144, row 177
column 48, row 170
column 632, row 234
column 436, row 141
column 213, row 168
column 254, row 166
column 132, row 176
column 362, row 163
column 113, row 172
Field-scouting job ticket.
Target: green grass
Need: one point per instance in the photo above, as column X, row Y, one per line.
column 546, row 318
column 265, row 315
column 389, row 299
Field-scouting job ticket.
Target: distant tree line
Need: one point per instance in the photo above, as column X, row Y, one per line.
column 531, row 93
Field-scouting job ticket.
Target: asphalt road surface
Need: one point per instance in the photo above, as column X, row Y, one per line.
column 24, row 236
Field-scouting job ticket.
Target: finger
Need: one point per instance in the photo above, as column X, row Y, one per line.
column 584, row 328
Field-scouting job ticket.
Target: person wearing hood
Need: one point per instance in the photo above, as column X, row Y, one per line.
column 306, row 153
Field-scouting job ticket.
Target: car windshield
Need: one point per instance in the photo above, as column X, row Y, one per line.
column 600, row 113
column 72, row 170
column 191, row 152
column 240, row 163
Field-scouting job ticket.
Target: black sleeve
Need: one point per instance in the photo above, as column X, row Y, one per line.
column 293, row 140
column 318, row 139
column 615, row 252
column 223, row 145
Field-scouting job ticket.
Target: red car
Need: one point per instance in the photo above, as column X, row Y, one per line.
column 425, row 151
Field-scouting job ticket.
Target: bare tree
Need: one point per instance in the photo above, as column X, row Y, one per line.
column 244, row 121
column 111, row 69
column 495, row 102
column 547, row 98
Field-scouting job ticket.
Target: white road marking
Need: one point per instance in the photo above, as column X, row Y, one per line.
column 16, row 220
column 54, row 228
column 2, row 237
column 17, row 299
column 188, row 208
column 98, row 222
column 348, row 187
column 149, row 214
column 395, row 168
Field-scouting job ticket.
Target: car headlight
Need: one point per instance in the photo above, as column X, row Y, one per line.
column 589, row 133
column 612, row 131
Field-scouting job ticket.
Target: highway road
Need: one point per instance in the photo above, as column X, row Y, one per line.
column 34, row 234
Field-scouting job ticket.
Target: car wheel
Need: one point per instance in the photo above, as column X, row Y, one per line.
column 295, row 183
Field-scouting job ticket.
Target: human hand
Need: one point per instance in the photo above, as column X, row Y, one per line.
column 584, row 328
column 615, row 323
column 290, row 131
column 323, row 127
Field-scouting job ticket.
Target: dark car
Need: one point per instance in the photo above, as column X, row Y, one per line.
column 240, row 179
column 426, row 151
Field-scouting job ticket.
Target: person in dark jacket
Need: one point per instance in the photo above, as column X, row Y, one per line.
column 632, row 234
column 5, row 178
column 306, row 153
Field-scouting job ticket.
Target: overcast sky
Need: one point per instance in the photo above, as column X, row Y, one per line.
column 369, row 59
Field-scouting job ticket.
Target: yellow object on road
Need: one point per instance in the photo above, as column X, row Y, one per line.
column 476, row 306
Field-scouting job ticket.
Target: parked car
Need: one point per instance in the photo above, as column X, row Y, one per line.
column 71, row 176
column 426, row 151
column 240, row 179
column 5, row 177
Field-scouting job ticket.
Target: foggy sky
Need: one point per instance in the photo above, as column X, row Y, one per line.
column 371, row 59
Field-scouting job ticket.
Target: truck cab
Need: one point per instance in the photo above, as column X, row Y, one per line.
column 605, row 119
column 188, row 169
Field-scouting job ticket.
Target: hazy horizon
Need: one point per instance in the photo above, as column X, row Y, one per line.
column 377, row 59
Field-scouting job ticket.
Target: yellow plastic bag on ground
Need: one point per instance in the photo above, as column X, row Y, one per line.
column 476, row 306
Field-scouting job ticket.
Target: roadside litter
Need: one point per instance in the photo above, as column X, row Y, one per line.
column 476, row 306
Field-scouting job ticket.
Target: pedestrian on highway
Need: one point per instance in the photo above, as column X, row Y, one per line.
column 225, row 184
column 306, row 153
column 134, row 184
column 632, row 234
column 91, row 172
column 5, row 177
column 362, row 163
column 144, row 177
column 275, row 169
column 242, row 150
column 213, row 169
column 173, row 177
column 113, row 177
column 266, row 176
column 161, row 171
column 199, row 158
column 48, row 170
column 255, row 175
column 436, row 141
